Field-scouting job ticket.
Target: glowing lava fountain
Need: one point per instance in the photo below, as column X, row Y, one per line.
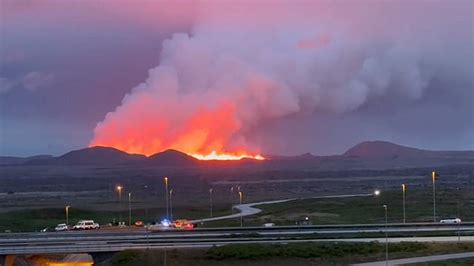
column 225, row 156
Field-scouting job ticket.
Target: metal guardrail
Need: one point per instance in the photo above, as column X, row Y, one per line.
column 124, row 246
column 247, row 228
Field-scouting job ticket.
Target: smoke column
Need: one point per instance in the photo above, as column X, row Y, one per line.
column 242, row 65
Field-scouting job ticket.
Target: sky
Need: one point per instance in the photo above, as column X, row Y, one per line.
column 271, row 77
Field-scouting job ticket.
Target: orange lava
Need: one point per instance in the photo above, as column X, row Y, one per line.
column 226, row 156
column 205, row 134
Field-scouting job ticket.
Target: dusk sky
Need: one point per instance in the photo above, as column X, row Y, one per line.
column 271, row 77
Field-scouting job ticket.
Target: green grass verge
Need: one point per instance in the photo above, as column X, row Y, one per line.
column 310, row 253
column 37, row 219
column 363, row 210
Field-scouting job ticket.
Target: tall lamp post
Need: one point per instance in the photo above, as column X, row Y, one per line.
column 232, row 199
column 459, row 212
column 433, row 178
column 171, row 205
column 146, row 205
column 210, row 201
column 386, row 235
column 119, row 190
column 404, row 188
column 130, row 209
column 241, row 217
column 167, row 202
column 67, row 216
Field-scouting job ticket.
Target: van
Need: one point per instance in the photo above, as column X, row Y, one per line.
column 85, row 225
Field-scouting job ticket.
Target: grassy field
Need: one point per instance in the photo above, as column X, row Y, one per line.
column 37, row 219
column 360, row 210
column 289, row 254
column 419, row 208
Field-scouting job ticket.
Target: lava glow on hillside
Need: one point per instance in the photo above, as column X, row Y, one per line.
column 205, row 133
column 226, row 156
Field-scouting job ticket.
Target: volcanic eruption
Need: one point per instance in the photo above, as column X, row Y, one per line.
column 236, row 70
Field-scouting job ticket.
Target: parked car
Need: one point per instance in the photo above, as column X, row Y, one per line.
column 183, row 224
column 47, row 229
column 61, row 227
column 139, row 223
column 451, row 221
column 85, row 225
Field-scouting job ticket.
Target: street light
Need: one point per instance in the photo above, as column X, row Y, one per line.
column 386, row 235
column 210, row 200
column 433, row 178
column 130, row 209
column 67, row 216
column 171, row 204
column 119, row 190
column 241, row 217
column 404, row 188
column 459, row 212
column 167, row 202
column 146, row 205
column 231, row 200
column 377, row 192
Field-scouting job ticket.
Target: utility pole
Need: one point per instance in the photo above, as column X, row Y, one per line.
column 232, row 200
column 459, row 212
column 171, row 205
column 241, row 217
column 404, row 188
column 386, row 235
column 119, row 189
column 167, row 194
column 129, row 209
column 210, row 201
column 67, row 217
column 433, row 177
column 146, row 204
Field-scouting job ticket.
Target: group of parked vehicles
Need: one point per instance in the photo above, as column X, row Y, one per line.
column 81, row 225
column 179, row 224
column 91, row 225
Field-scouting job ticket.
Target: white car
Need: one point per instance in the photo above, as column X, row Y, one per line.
column 61, row 227
column 85, row 225
column 451, row 221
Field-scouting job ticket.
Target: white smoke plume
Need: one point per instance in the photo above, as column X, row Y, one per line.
column 241, row 65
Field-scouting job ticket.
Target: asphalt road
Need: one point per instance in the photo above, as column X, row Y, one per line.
column 117, row 239
column 250, row 209
column 100, row 241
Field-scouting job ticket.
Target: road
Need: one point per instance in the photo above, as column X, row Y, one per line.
column 99, row 241
column 250, row 209
column 419, row 259
column 138, row 238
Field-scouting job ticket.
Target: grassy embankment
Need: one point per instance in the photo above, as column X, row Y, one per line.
column 364, row 210
column 359, row 210
column 289, row 254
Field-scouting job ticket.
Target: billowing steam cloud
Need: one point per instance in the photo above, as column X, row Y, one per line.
column 234, row 71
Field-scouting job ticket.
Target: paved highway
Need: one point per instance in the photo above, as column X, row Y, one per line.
column 82, row 246
column 102, row 241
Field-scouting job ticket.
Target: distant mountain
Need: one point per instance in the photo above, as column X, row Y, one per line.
column 93, row 155
column 385, row 149
column 10, row 160
column 304, row 156
column 365, row 155
column 171, row 157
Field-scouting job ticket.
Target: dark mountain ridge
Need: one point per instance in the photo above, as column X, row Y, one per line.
column 385, row 149
column 364, row 154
